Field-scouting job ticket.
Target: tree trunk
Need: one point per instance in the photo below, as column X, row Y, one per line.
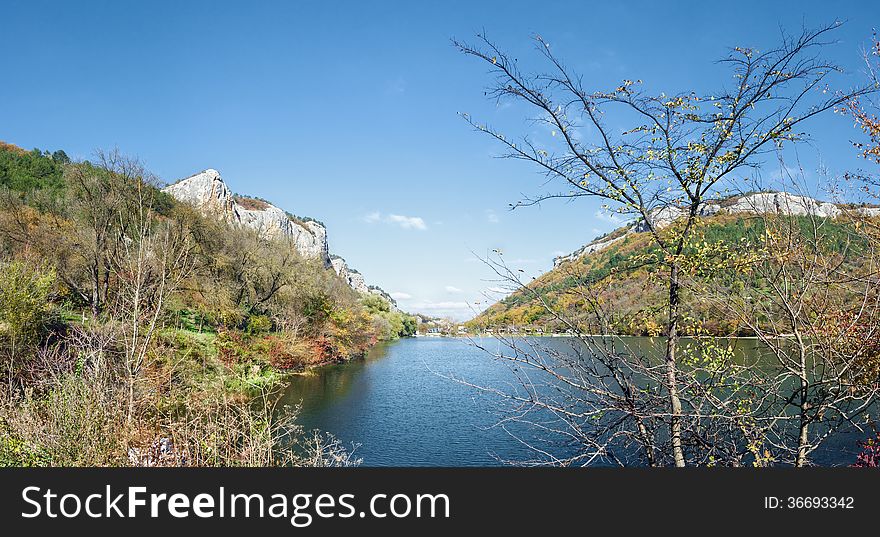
column 803, row 442
column 105, row 286
column 96, row 286
column 130, row 401
column 803, row 433
column 648, row 446
column 671, row 384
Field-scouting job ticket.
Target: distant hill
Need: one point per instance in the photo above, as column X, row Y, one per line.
column 619, row 264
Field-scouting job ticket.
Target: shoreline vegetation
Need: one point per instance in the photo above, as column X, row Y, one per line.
column 135, row 330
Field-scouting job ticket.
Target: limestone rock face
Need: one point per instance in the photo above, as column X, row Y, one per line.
column 208, row 192
column 754, row 203
column 309, row 238
column 354, row 278
column 313, row 241
column 783, row 203
column 356, row 281
column 664, row 216
column 381, row 292
column 588, row 249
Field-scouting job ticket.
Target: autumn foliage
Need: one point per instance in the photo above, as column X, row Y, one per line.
column 865, row 119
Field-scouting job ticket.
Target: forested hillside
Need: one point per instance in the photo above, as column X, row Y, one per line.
column 131, row 323
column 623, row 278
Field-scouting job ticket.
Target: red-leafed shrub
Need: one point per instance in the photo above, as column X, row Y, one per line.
column 870, row 455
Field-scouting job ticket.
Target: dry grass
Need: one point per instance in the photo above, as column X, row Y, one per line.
column 252, row 204
column 75, row 412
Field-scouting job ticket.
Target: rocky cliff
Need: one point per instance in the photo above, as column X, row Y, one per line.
column 354, row 278
column 207, row 191
column 356, row 281
column 752, row 203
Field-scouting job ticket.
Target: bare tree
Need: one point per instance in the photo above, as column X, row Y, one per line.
column 96, row 196
column 809, row 293
column 150, row 261
column 679, row 150
column 590, row 393
column 598, row 397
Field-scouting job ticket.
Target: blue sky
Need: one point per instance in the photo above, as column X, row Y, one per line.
column 347, row 111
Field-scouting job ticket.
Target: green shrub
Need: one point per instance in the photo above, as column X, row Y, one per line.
column 28, row 171
column 25, row 300
column 259, row 324
column 15, row 452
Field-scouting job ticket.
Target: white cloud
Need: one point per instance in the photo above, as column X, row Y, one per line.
column 401, row 296
column 491, row 217
column 405, row 222
column 523, row 261
column 452, row 289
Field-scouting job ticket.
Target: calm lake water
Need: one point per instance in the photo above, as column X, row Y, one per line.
column 401, row 407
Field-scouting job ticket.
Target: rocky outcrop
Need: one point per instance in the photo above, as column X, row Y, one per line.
column 594, row 246
column 207, row 191
column 753, row 203
column 356, row 281
column 664, row 216
column 309, row 237
column 381, row 292
column 781, row 203
column 354, row 278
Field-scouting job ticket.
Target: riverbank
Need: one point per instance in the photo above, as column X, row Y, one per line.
column 198, row 398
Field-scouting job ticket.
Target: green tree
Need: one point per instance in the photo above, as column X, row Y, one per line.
column 28, row 171
column 60, row 157
column 410, row 325
column 25, row 310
